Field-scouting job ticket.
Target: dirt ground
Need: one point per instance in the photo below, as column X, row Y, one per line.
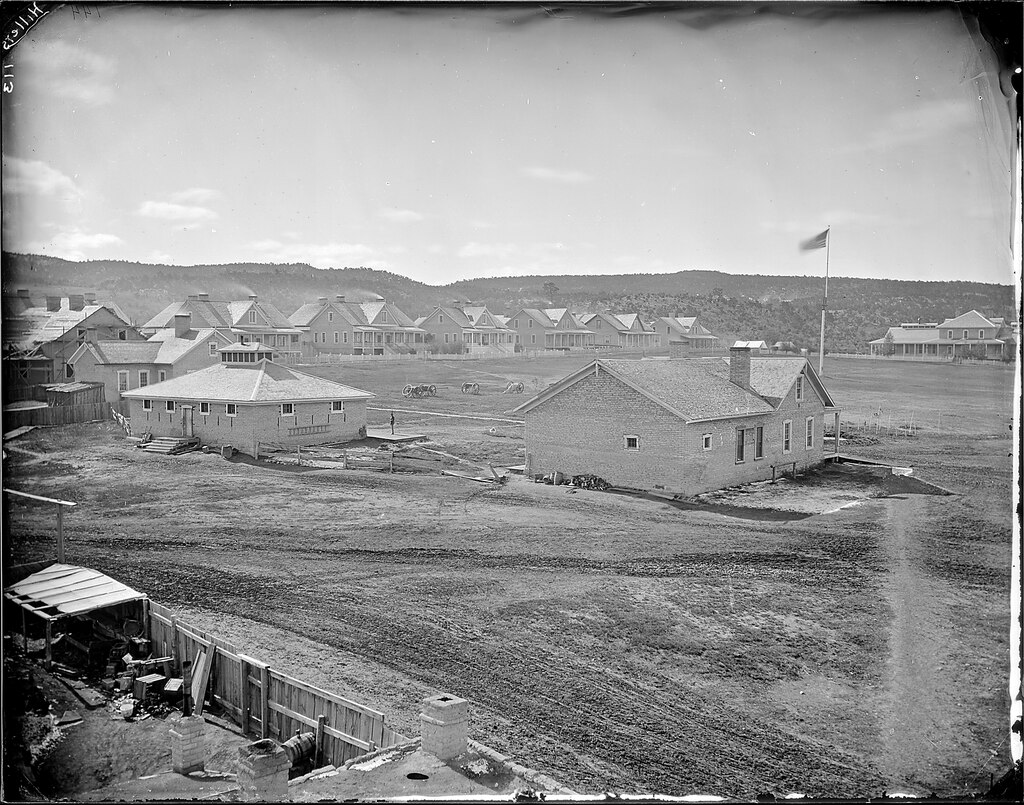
column 615, row 643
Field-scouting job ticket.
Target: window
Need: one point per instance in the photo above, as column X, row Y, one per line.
column 143, row 378
column 316, row 338
column 384, row 317
column 230, row 409
column 515, row 324
column 758, row 443
column 69, row 370
column 631, row 442
column 204, row 408
column 323, row 337
column 122, row 381
column 169, row 405
column 213, row 347
column 161, row 375
column 533, row 338
column 287, row 409
column 295, row 338
column 252, row 317
column 446, row 338
column 740, row 455
column 706, row 441
column 949, row 334
column 147, row 405
column 965, row 335
column 800, row 388
column 529, row 323
column 440, row 318
column 122, row 335
column 330, row 315
column 981, row 333
column 337, row 406
column 809, row 442
column 787, row 436
column 337, row 336
column 257, row 339
column 344, row 338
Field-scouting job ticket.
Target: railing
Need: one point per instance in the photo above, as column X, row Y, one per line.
column 267, row 703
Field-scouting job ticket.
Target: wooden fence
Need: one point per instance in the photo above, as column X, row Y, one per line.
column 55, row 415
column 266, row 703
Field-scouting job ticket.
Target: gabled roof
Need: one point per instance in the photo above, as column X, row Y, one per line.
column 615, row 321
column 61, row 590
column 971, row 318
column 164, row 347
column 688, row 389
column 210, row 313
column 173, row 348
column 119, row 352
column 751, row 344
column 457, row 316
column 261, row 382
column 37, row 325
column 537, row 315
column 698, row 390
column 680, row 323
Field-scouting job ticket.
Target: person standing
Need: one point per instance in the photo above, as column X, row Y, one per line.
column 392, row 423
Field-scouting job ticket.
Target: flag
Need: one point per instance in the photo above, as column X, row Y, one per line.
column 817, row 242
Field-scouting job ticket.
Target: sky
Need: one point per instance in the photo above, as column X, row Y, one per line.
column 451, row 142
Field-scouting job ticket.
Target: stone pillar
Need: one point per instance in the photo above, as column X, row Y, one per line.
column 188, row 750
column 263, row 772
column 444, row 725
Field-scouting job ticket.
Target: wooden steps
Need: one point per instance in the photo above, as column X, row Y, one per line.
column 169, row 445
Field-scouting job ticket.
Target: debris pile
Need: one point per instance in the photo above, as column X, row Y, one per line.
column 590, row 482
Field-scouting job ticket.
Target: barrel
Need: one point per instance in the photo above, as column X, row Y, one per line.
column 558, row 478
column 300, row 748
column 227, row 451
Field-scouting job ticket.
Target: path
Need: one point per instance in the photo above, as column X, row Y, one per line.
column 452, row 416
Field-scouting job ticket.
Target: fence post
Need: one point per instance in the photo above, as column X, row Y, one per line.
column 265, row 700
column 243, row 697
column 319, row 756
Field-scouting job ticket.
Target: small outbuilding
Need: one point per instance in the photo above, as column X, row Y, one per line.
column 247, row 400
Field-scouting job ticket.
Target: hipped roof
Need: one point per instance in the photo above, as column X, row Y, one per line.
column 62, row 590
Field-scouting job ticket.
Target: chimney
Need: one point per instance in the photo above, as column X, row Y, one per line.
column 203, row 297
column 444, row 726
column 52, row 304
column 253, row 297
column 322, row 300
column 76, row 301
column 90, row 298
column 340, row 297
column 23, row 293
column 739, row 366
column 182, row 324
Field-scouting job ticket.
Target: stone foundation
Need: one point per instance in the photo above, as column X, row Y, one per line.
column 188, row 749
column 444, row 725
column 263, row 772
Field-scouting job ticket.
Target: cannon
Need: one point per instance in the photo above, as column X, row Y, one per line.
column 420, row 390
column 514, row 387
column 470, row 388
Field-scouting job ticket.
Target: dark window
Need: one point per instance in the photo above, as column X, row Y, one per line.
column 739, row 445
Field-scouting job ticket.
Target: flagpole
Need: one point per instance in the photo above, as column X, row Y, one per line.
column 824, row 304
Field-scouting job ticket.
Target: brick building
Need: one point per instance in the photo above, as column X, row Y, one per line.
column 247, row 400
column 338, row 327
column 475, row 328
column 685, row 426
column 551, row 328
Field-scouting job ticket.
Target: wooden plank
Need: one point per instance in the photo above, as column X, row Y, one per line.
column 200, row 681
column 243, row 706
column 198, row 670
column 310, row 722
column 265, row 701
column 328, row 695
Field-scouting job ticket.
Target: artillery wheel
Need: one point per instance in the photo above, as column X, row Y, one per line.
column 407, row 391
column 476, row 388
column 433, row 390
column 467, row 387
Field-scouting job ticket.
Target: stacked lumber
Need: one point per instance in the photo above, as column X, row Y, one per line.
column 590, row 482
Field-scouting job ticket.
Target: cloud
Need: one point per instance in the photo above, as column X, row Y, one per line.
column 552, row 175
column 320, row 255
column 400, row 216
column 194, row 195
column 928, row 120
column 71, row 71
column 33, row 177
column 183, row 213
column 73, row 244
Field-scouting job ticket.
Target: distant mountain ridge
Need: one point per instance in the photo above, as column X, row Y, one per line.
column 733, row 306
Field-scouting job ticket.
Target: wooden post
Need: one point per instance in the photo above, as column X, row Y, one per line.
column 49, row 643
column 146, row 631
column 60, row 534
column 186, row 687
column 318, row 757
column 243, row 699
column 265, row 700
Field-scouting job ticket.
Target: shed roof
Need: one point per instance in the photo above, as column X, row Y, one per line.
column 62, row 590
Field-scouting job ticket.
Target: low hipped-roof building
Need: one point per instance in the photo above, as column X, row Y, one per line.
column 247, row 400
column 685, row 426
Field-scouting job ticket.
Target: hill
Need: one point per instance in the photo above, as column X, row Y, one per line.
column 732, row 306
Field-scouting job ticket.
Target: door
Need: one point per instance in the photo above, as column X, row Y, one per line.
column 187, row 427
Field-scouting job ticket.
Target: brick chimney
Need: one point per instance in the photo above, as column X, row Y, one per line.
column 52, row 304
column 444, row 726
column 182, row 324
column 23, row 293
column 76, row 301
column 739, row 366
column 90, row 298
column 253, row 297
column 203, row 297
column 339, row 297
column 322, row 300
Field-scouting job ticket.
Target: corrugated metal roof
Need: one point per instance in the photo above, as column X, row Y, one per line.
column 69, row 590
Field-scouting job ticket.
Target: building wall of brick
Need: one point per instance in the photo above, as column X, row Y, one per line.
column 582, row 430
column 253, row 423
